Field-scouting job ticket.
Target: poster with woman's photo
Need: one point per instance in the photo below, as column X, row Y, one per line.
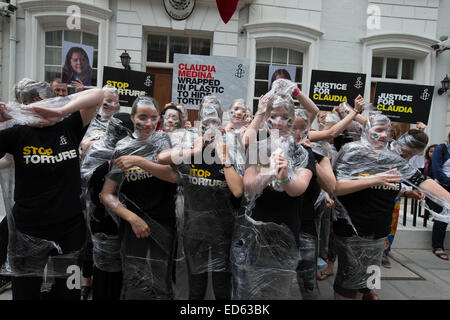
column 281, row 72
column 78, row 60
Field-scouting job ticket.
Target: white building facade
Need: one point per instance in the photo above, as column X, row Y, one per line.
column 335, row 35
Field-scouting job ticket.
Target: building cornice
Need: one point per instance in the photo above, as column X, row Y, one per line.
column 36, row 6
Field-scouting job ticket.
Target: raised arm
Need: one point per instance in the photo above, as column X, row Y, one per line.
column 87, row 102
column 339, row 127
column 325, row 175
column 306, row 103
column 234, row 180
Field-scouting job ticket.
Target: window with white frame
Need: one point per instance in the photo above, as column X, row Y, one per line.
column 161, row 48
column 275, row 56
column 393, row 68
column 53, row 51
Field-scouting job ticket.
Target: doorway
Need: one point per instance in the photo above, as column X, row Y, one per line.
column 162, row 92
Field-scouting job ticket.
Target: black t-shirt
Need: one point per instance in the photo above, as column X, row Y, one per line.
column 141, row 192
column 205, row 187
column 370, row 210
column 307, row 212
column 47, row 171
column 101, row 221
column 209, row 204
column 279, row 207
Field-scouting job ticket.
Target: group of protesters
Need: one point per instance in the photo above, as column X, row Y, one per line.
column 147, row 206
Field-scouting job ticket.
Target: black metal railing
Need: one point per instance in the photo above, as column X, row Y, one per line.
column 412, row 207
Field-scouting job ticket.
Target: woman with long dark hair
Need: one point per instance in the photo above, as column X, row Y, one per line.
column 77, row 67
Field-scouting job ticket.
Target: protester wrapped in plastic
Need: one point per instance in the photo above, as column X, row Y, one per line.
column 212, row 188
column 146, row 261
column 28, row 255
column 106, row 247
column 208, row 222
column 360, row 160
column 265, row 254
column 98, row 125
column 29, row 94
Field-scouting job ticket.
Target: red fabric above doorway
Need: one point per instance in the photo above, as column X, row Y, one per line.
column 226, row 9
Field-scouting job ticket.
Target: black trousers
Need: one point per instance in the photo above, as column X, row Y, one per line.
column 3, row 240
column 438, row 234
column 439, row 227
column 106, row 285
column 221, row 282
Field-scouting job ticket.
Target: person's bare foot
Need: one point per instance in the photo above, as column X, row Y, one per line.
column 371, row 296
column 86, row 286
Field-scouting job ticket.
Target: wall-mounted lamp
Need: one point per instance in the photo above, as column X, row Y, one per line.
column 125, row 59
column 445, row 85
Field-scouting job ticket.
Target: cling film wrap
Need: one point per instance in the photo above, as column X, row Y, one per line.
column 182, row 138
column 30, row 256
column 265, row 255
column 102, row 150
column 146, row 263
column 21, row 114
column 322, row 148
column 28, row 91
column 370, row 155
column 264, row 258
column 7, row 183
column 96, row 129
column 357, row 161
column 106, row 252
column 264, row 155
column 307, row 266
column 207, row 222
column 106, row 248
column 438, row 207
column 236, row 150
column 282, row 87
column 355, row 256
column 27, row 255
column 408, row 141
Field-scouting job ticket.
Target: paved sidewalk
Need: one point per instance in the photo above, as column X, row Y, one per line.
column 415, row 275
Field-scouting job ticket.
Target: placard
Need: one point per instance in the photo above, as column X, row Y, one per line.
column 130, row 84
column 196, row 76
column 330, row 88
column 401, row 102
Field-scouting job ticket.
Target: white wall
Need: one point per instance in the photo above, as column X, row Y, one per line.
column 439, row 128
column 332, row 33
column 343, row 26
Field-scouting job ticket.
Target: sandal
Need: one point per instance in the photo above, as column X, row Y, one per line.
column 442, row 255
column 85, row 291
column 324, row 275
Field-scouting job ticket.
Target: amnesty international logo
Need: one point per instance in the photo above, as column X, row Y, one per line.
column 239, row 72
column 425, row 95
column 359, row 83
column 148, row 82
